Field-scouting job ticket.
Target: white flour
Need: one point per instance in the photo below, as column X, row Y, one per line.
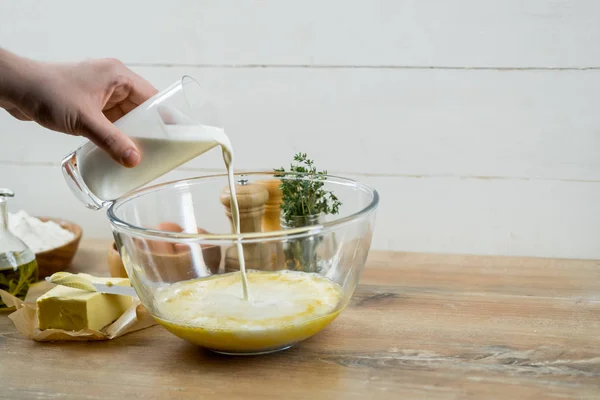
column 38, row 235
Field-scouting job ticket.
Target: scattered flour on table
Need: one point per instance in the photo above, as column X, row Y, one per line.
column 38, row 235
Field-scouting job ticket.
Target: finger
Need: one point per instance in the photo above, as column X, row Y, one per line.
column 113, row 114
column 141, row 89
column 115, row 110
column 127, row 105
column 108, row 137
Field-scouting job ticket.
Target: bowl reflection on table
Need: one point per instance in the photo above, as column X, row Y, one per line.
column 203, row 248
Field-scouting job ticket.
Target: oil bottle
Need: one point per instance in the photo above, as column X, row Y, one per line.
column 18, row 266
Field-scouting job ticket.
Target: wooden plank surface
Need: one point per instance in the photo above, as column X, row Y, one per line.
column 416, row 123
column 430, row 99
column 419, row 326
column 470, row 161
column 438, row 33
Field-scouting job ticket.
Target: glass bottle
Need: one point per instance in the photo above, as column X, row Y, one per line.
column 18, row 266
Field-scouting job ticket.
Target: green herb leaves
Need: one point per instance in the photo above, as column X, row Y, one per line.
column 302, row 190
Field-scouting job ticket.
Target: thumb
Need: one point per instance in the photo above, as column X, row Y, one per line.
column 109, row 138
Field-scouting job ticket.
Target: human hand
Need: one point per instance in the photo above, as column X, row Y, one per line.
column 81, row 99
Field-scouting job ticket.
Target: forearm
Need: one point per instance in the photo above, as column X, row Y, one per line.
column 14, row 72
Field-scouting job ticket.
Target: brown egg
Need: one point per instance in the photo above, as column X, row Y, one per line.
column 169, row 227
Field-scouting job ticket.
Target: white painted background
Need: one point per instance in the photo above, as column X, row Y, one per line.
column 477, row 120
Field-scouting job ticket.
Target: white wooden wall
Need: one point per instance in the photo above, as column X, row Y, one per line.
column 477, row 120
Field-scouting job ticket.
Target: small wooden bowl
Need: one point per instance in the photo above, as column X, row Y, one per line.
column 59, row 258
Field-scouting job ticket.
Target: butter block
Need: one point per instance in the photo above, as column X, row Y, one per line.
column 75, row 309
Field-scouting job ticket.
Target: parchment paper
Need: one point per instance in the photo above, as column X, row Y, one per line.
column 25, row 319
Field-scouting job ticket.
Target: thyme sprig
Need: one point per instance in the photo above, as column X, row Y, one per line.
column 302, row 191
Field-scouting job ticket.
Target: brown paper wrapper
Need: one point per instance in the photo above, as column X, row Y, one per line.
column 25, row 319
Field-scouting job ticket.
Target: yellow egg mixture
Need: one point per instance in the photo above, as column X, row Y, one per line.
column 284, row 307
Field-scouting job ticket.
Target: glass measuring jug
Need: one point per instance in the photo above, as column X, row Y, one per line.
column 172, row 127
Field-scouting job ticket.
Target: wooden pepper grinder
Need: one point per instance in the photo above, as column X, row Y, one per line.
column 271, row 219
column 251, row 200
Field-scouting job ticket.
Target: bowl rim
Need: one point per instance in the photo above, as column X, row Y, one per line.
column 245, row 238
column 78, row 232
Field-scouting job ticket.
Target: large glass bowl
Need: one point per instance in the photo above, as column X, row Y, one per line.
column 180, row 231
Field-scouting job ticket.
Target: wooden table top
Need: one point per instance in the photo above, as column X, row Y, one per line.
column 419, row 326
